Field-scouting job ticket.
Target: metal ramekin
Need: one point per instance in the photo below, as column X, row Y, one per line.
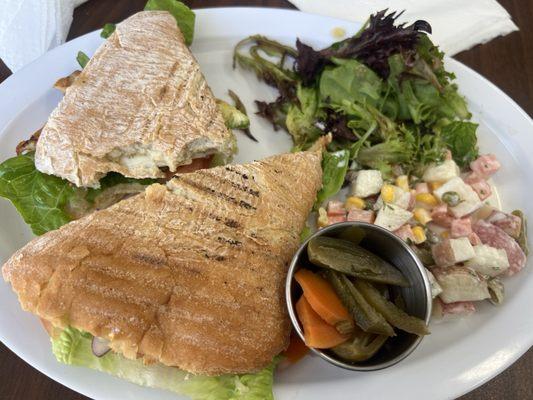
column 417, row 297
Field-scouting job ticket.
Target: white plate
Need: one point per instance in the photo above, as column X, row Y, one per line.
column 454, row 359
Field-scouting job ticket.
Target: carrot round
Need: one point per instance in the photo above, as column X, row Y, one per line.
column 326, row 303
column 317, row 332
column 296, row 350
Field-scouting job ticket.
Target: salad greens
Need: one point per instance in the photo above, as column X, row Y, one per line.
column 184, row 16
column 82, row 59
column 39, row 198
column 107, row 30
column 73, row 347
column 334, row 167
column 47, row 202
column 383, row 94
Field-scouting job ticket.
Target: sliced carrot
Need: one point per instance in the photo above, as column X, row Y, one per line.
column 296, row 350
column 322, row 297
column 317, row 332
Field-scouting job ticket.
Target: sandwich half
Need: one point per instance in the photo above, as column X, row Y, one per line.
column 141, row 106
column 189, row 274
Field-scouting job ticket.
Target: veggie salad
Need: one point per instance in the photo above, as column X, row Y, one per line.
column 403, row 144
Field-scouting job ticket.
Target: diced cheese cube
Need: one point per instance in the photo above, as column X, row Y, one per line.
column 460, row 284
column 452, row 251
column 399, row 197
column 367, row 183
column 470, row 201
column 392, row 217
column 488, row 260
column 441, row 172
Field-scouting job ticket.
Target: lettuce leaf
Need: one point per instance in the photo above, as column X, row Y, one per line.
column 39, row 198
column 184, row 15
column 334, row 167
column 107, row 30
column 47, row 202
column 460, row 137
column 73, row 347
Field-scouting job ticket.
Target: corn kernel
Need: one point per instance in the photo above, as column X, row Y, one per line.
column 427, row 199
column 419, row 234
column 387, row 193
column 435, row 185
column 403, row 182
column 354, row 202
column 445, row 234
column 322, row 220
column 422, row 215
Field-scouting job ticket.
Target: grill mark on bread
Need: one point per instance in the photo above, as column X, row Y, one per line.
column 238, row 186
column 213, row 192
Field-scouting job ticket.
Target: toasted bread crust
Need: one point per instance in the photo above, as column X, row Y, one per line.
column 190, row 274
column 141, row 94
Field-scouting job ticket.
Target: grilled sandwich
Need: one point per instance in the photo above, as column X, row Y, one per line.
column 140, row 107
column 189, row 274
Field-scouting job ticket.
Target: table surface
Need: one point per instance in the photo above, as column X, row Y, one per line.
column 506, row 61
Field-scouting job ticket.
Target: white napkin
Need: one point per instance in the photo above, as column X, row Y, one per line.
column 29, row 28
column 457, row 24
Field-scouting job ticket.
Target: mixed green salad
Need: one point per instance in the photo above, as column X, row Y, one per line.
column 383, row 94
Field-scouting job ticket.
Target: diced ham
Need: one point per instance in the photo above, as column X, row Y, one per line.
column 479, row 184
column 421, row 187
column 493, row 236
column 509, row 223
column 405, row 232
column 440, row 216
column 485, row 165
column 474, row 239
column 461, row 227
column 334, row 219
column 361, row 216
column 459, row 308
column 336, row 207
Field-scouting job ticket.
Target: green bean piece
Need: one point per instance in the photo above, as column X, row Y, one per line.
column 360, row 347
column 343, row 256
column 345, row 327
column 522, row 238
column 394, row 315
column 368, row 319
column 451, row 198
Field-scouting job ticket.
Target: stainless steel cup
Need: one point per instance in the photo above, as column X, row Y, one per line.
column 417, row 296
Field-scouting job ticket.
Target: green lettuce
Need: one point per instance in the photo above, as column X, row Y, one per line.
column 73, row 347
column 39, row 198
column 301, row 118
column 183, row 15
column 108, row 30
column 44, row 200
column 460, row 137
column 334, row 167
column 82, row 59
column 350, row 81
column 233, row 118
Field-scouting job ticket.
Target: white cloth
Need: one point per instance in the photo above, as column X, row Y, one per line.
column 457, row 24
column 29, row 28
